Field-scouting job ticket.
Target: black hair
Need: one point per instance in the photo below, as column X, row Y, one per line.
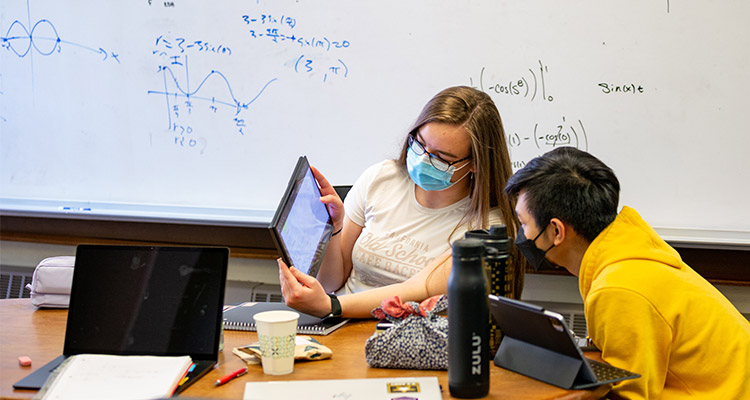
column 571, row 185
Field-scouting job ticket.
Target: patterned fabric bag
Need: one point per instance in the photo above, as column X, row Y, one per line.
column 417, row 340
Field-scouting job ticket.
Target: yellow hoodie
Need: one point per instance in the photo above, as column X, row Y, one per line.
column 650, row 313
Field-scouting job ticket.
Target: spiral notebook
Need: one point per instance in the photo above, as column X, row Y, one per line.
column 240, row 318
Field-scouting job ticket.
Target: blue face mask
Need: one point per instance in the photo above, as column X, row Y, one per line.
column 424, row 174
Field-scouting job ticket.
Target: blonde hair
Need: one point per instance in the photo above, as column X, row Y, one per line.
column 475, row 111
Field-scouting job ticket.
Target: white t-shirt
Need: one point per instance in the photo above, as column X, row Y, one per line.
column 399, row 236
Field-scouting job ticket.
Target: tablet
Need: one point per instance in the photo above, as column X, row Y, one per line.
column 537, row 343
column 302, row 227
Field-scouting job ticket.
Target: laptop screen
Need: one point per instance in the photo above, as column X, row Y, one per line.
column 147, row 300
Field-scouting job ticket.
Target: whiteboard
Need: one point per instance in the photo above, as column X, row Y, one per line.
column 198, row 110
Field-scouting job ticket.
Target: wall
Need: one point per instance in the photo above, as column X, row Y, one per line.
column 246, row 274
column 197, row 110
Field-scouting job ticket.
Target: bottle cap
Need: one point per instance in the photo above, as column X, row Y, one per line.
column 499, row 231
column 468, row 248
column 496, row 237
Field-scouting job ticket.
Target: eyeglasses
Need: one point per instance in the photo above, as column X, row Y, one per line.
column 435, row 159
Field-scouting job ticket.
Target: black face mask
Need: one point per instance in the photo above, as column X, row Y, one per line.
column 535, row 255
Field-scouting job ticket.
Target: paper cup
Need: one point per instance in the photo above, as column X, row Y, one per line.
column 277, row 331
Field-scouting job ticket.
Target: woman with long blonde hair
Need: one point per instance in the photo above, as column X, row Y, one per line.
column 393, row 234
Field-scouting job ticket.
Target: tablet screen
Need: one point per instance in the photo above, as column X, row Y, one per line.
column 302, row 227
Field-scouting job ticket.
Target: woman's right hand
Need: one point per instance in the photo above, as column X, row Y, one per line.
column 331, row 199
column 302, row 292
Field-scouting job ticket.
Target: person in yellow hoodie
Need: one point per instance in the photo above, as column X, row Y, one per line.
column 647, row 311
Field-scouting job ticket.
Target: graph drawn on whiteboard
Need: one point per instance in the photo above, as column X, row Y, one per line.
column 193, row 97
column 42, row 38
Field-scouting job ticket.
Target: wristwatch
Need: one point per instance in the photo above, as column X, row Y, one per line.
column 335, row 306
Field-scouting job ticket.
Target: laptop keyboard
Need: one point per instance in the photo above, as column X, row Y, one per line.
column 605, row 372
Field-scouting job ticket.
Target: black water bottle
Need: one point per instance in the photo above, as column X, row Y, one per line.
column 468, row 325
column 497, row 261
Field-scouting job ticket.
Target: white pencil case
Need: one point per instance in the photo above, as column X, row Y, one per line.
column 51, row 283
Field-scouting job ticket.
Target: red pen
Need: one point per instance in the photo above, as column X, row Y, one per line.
column 227, row 378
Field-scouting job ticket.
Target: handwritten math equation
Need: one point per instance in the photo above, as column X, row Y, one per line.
column 530, row 84
column 165, row 45
column 533, row 85
column 281, row 30
column 545, row 137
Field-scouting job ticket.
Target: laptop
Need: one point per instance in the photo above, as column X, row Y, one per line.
column 144, row 300
column 537, row 343
column 301, row 228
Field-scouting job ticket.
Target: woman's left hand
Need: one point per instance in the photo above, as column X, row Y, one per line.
column 330, row 198
column 302, row 292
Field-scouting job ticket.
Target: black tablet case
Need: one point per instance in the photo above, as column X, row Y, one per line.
column 282, row 214
column 538, row 344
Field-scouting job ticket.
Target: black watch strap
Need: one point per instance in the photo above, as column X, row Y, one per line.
column 335, row 306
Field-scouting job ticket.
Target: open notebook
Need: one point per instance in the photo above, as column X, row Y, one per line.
column 240, row 318
column 98, row 376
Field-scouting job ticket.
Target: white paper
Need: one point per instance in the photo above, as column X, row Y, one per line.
column 424, row 388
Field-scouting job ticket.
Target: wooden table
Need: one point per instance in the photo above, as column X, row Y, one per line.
column 39, row 334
